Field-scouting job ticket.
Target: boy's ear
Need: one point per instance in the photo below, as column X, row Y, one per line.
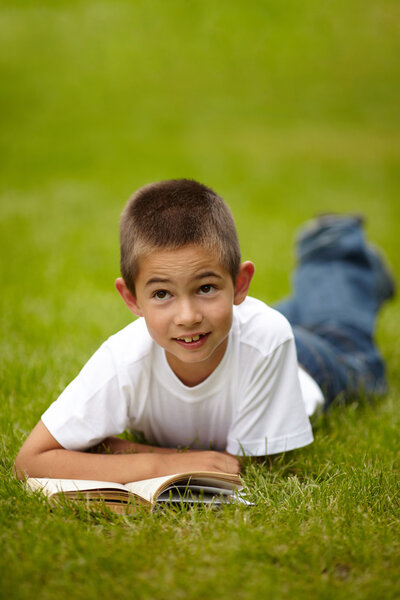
column 245, row 275
column 128, row 297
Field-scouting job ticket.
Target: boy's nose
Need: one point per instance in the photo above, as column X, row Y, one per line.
column 187, row 314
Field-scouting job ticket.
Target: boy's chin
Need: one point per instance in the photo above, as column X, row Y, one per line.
column 188, row 357
column 199, row 355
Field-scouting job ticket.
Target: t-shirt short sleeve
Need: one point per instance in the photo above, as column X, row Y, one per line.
column 270, row 415
column 91, row 408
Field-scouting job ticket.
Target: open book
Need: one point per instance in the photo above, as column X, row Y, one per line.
column 195, row 487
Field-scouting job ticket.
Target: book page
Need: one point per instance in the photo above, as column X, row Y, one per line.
column 151, row 488
column 210, row 481
column 148, row 488
column 174, row 496
column 198, row 489
column 50, row 487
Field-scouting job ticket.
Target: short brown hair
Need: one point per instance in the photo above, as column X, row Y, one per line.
column 172, row 214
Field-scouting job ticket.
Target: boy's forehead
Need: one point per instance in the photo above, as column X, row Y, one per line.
column 188, row 260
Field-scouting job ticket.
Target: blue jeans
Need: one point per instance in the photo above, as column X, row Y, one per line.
column 339, row 284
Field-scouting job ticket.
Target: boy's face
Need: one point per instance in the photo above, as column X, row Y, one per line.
column 186, row 298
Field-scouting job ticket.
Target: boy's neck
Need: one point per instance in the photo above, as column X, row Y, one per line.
column 192, row 374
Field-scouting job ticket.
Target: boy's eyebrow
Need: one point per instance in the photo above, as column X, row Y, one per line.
column 157, row 280
column 166, row 280
column 207, row 274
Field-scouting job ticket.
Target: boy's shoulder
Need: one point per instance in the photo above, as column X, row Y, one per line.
column 260, row 325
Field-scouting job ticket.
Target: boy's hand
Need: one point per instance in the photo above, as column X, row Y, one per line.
column 198, row 460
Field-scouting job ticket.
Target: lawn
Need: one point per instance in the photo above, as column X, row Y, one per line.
column 287, row 109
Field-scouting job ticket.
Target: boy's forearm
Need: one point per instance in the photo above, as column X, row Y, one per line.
column 116, row 445
column 69, row 464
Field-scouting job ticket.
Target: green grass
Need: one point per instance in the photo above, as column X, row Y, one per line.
column 286, row 109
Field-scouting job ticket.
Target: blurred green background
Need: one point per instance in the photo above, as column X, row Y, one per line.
column 285, row 108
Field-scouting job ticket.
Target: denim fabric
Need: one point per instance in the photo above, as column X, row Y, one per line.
column 338, row 287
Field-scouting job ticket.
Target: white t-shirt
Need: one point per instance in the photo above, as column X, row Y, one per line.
column 251, row 404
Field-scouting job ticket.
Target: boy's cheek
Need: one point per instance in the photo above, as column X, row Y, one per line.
column 156, row 327
column 222, row 313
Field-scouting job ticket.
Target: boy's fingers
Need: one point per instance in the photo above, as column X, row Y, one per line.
column 207, row 461
column 231, row 463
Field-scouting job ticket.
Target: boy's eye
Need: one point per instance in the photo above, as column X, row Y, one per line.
column 207, row 288
column 161, row 295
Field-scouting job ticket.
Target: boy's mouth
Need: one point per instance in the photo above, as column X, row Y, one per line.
column 195, row 340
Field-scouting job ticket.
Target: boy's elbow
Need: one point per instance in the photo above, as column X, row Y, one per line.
column 32, row 460
column 27, row 463
column 31, row 464
column 21, row 466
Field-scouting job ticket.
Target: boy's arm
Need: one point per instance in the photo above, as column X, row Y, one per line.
column 42, row 456
column 116, row 445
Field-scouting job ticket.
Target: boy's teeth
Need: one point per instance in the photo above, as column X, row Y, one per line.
column 195, row 338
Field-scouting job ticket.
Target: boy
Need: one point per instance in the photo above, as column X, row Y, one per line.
column 207, row 368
